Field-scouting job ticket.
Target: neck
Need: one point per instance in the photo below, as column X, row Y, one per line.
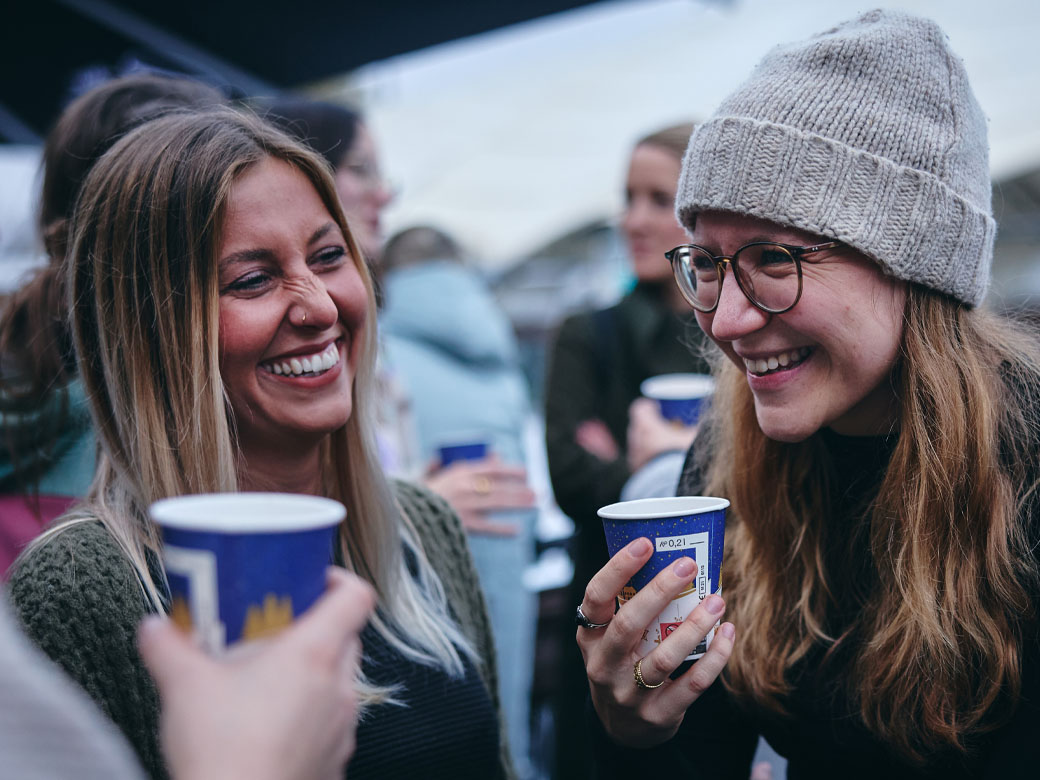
column 280, row 471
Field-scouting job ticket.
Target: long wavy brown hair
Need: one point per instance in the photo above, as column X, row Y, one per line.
column 950, row 565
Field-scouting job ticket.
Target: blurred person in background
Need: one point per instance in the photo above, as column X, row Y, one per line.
column 455, row 350
column 339, row 134
column 47, row 446
column 242, row 359
column 597, row 363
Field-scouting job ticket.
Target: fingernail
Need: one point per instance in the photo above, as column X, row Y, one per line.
column 714, row 604
column 726, row 629
column 684, row 568
column 639, row 548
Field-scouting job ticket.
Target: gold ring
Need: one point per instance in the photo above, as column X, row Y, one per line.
column 481, row 486
column 639, row 677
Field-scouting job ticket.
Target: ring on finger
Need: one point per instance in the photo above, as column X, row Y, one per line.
column 640, row 682
column 584, row 622
column 481, row 485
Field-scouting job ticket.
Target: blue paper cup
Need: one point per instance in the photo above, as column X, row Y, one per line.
column 692, row 526
column 451, row 452
column 242, row 566
column 681, row 397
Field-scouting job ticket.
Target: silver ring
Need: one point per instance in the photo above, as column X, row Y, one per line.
column 584, row 622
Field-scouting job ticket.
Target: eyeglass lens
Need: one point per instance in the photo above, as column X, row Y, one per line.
column 768, row 275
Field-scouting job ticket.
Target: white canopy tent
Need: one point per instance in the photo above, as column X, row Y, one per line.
column 515, row 137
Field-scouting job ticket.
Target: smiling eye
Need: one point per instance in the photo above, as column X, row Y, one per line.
column 330, row 256
column 251, row 282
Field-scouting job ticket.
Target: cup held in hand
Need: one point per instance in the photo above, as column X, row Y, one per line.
column 684, row 526
column 242, row 566
column 462, row 449
column 681, row 398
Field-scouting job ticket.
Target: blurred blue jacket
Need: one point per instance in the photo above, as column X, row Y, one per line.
column 454, row 349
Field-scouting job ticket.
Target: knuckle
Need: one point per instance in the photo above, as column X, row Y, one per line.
column 660, row 588
column 597, row 672
column 625, row 623
column 699, row 679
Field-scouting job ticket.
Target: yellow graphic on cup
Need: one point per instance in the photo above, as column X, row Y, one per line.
column 180, row 614
column 275, row 614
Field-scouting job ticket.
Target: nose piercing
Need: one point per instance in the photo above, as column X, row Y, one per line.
column 303, row 319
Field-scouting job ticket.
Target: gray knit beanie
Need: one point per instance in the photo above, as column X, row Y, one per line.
column 868, row 133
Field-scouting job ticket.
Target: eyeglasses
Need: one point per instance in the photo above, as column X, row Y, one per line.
column 769, row 274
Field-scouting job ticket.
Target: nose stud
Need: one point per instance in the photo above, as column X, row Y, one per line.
column 303, row 319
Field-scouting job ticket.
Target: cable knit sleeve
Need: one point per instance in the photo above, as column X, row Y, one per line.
column 444, row 542
column 80, row 601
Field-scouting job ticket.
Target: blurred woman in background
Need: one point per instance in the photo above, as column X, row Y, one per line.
column 597, row 364
column 47, row 447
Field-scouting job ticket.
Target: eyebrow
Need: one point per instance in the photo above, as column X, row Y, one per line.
column 252, row 255
column 323, row 231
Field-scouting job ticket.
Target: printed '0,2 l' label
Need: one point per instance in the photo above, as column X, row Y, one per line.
column 684, row 542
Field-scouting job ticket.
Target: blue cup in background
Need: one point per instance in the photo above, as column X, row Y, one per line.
column 242, row 566
column 692, row 526
column 468, row 449
column 680, row 397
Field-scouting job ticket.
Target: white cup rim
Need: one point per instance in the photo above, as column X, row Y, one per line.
column 677, row 387
column 245, row 513
column 653, row 508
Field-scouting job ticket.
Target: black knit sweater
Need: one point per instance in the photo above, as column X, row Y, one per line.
column 80, row 602
column 824, row 736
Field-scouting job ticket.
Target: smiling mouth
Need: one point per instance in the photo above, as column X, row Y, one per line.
column 782, row 361
column 305, row 365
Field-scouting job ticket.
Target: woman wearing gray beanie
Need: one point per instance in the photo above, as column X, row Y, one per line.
column 875, row 429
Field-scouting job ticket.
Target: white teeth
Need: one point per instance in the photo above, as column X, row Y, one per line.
column 773, row 362
column 311, row 364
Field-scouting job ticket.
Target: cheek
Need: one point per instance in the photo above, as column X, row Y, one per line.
column 241, row 337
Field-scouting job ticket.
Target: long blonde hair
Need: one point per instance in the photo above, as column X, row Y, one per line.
column 142, row 281
column 951, row 565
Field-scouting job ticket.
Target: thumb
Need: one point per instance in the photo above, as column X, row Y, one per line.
column 168, row 652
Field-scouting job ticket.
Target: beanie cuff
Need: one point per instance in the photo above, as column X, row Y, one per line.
column 907, row 220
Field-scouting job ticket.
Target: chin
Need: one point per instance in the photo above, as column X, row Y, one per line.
column 778, row 426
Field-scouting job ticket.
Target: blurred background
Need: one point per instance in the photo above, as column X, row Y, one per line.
column 506, row 124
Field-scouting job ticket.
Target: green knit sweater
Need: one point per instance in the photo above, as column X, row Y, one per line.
column 80, row 601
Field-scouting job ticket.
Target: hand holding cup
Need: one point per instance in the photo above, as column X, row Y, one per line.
column 644, row 716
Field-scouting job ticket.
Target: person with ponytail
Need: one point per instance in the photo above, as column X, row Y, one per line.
column 47, row 447
column 875, row 427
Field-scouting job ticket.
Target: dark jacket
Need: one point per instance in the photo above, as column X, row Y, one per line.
column 596, row 366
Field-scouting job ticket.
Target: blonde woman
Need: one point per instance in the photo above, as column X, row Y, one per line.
column 875, row 428
column 225, row 330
